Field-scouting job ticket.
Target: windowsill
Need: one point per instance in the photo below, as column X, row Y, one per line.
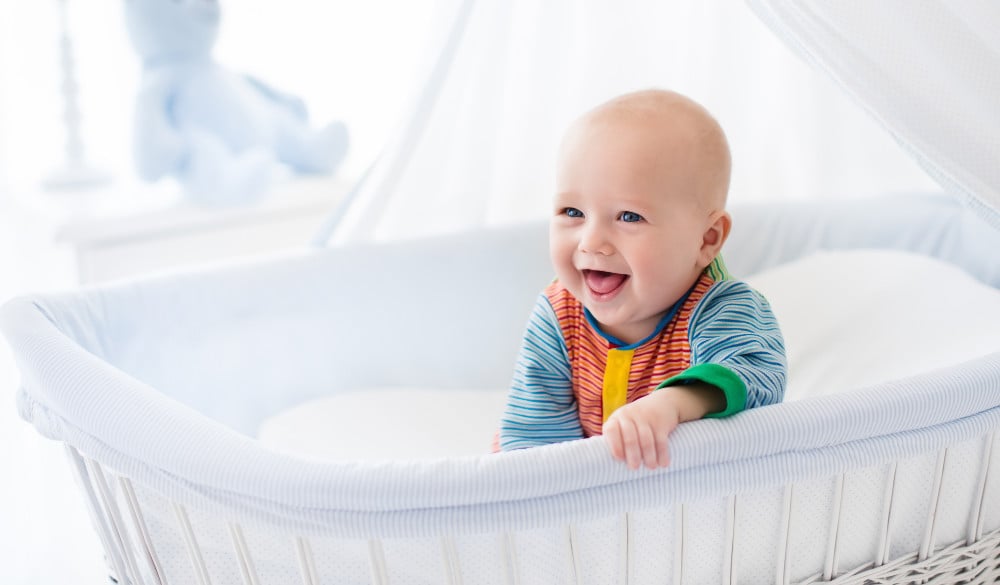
column 124, row 230
column 109, row 219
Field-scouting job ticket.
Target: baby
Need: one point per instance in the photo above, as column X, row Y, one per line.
column 643, row 329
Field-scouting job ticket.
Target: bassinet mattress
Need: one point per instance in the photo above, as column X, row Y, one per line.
column 160, row 384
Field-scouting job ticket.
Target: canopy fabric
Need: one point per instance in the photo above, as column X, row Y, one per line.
column 927, row 70
column 504, row 79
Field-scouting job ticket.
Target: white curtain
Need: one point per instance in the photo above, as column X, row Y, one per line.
column 927, row 70
column 479, row 149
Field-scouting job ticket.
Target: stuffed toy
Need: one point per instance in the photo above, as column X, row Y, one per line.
column 224, row 136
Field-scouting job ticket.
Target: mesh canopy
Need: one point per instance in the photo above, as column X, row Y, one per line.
column 927, row 70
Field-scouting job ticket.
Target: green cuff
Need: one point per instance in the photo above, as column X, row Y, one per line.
column 719, row 376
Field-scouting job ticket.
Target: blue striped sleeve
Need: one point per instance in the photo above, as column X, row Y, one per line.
column 736, row 345
column 541, row 407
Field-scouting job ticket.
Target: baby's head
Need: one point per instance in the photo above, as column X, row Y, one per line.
column 639, row 208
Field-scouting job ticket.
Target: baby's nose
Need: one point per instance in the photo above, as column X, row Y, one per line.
column 594, row 240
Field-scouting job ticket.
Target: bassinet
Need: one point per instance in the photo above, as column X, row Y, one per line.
column 156, row 386
column 149, row 383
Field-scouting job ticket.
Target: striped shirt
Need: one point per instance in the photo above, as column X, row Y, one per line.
column 570, row 376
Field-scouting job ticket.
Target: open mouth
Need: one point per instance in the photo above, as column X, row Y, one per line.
column 603, row 285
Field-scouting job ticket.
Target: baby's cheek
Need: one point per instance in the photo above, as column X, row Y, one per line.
column 564, row 269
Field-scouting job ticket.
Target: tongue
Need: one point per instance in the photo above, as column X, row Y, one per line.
column 603, row 282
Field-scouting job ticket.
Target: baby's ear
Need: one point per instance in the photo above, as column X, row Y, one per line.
column 714, row 236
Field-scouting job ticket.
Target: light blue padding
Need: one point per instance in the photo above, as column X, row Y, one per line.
column 224, row 135
column 159, row 378
column 932, row 224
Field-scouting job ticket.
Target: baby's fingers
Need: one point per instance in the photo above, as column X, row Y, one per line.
column 630, row 443
column 612, row 431
column 647, row 445
column 663, row 450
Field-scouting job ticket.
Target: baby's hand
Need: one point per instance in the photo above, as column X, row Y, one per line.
column 638, row 432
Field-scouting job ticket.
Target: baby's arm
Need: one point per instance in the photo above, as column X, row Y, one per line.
column 736, row 345
column 737, row 362
column 638, row 432
column 541, row 407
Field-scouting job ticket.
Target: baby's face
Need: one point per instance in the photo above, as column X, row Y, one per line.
column 627, row 228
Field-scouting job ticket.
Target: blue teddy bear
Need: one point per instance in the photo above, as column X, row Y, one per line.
column 225, row 137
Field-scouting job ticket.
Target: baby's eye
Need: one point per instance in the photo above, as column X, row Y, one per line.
column 572, row 212
column 630, row 217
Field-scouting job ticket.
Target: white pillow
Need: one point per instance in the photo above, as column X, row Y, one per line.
column 851, row 319
column 389, row 423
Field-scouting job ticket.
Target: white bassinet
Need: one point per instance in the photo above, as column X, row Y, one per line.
column 150, row 384
column 158, row 385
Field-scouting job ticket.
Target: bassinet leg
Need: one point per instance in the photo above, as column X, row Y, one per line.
column 376, row 558
column 574, row 557
column 452, row 569
column 247, row 569
column 979, row 509
column 888, row 501
column 927, row 545
column 729, row 562
column 139, row 523
column 307, row 566
column 96, row 514
column 118, row 531
column 508, row 552
column 833, row 542
column 782, row 569
column 191, row 543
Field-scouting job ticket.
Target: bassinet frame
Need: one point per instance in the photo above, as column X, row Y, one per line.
column 975, row 559
column 738, row 505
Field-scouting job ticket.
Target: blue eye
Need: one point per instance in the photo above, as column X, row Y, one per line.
column 630, row 217
column 572, row 212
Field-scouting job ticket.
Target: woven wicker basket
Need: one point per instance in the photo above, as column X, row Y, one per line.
column 977, row 563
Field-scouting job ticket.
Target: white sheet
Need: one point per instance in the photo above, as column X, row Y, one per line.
column 851, row 319
column 389, row 423
column 857, row 318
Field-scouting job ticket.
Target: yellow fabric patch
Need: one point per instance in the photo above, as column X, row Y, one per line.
column 615, row 389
